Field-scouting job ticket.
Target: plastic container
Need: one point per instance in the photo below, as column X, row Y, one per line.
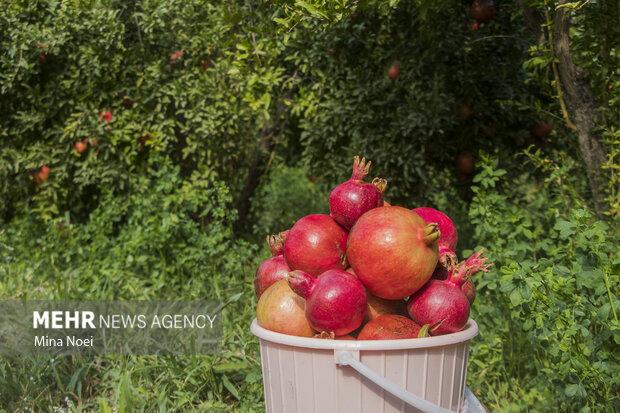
column 327, row 376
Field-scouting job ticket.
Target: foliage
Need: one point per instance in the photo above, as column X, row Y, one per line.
column 286, row 194
column 549, row 309
column 199, row 89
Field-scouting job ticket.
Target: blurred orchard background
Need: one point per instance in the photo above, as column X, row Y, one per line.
column 147, row 147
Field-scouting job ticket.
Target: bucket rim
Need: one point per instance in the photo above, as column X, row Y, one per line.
column 469, row 332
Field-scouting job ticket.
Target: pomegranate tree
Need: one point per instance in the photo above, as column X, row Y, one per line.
column 393, row 251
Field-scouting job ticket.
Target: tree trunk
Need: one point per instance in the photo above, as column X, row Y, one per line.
column 582, row 107
column 258, row 166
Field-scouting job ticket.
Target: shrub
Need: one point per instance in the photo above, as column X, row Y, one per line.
column 549, row 309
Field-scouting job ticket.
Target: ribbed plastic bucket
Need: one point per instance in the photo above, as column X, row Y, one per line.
column 327, row 376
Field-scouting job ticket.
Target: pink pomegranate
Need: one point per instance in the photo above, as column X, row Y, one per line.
column 335, row 300
column 349, row 200
column 279, row 309
column 391, row 327
column 315, row 244
column 393, row 251
column 442, row 303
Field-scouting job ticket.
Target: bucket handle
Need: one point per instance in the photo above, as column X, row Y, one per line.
column 346, row 358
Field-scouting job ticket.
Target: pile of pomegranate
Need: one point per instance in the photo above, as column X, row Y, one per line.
column 367, row 271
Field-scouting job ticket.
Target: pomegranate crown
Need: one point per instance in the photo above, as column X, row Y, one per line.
column 464, row 270
column 276, row 243
column 301, row 282
column 361, row 167
column 431, row 233
column 380, row 183
column 447, row 257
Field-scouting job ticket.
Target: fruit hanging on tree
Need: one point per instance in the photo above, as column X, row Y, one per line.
column 483, row 11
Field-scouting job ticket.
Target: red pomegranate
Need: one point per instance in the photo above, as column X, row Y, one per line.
column 443, row 304
column 351, row 199
column 315, row 244
column 274, row 268
column 42, row 174
column 393, row 251
column 268, row 272
column 394, row 71
column 379, row 306
column 81, row 146
column 279, row 309
column 465, row 163
column 540, row 130
column 335, row 300
column 391, row 327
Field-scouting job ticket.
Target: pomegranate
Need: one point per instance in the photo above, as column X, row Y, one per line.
column 81, row 146
column 540, row 130
column 379, row 306
column 483, row 11
column 394, row 71
column 391, row 327
column 279, row 309
column 42, row 174
column 475, row 26
column 335, row 300
column 475, row 263
column 465, row 163
column 447, row 241
column 272, row 269
column 442, row 303
column 393, row 251
column 469, row 289
column 268, row 272
column 106, row 116
column 315, row 244
column 176, row 55
column 349, row 200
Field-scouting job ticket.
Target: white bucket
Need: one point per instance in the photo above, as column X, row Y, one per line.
column 327, row 376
